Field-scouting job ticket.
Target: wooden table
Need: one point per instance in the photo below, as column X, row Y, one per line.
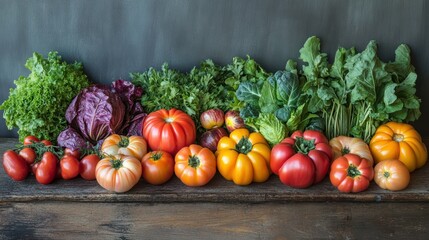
column 220, row 210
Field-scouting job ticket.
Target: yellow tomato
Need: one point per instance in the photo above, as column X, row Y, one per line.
column 135, row 146
column 244, row 157
column 399, row 141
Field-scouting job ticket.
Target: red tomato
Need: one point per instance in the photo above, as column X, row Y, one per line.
column 351, row 173
column 169, row 130
column 69, row 167
column 46, row 142
column 157, row 167
column 15, row 166
column 34, row 167
column 30, row 140
column 195, row 166
column 47, row 169
column 87, row 166
column 28, row 154
column 75, row 153
column 302, row 159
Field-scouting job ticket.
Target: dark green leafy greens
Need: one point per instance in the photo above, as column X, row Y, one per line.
column 358, row 92
column 38, row 103
column 276, row 106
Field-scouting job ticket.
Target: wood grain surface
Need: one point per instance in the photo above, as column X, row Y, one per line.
column 297, row 220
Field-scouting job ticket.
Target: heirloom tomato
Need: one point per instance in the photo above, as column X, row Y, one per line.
column 135, row 146
column 195, row 166
column 157, row 167
column 169, row 130
column 302, row 159
column 399, row 141
column 351, row 173
column 118, row 173
column 244, row 157
column 392, row 175
column 342, row 145
column 15, row 166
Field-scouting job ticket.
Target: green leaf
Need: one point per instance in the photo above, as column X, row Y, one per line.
column 267, row 101
column 248, row 92
column 389, row 94
column 283, row 114
column 273, row 130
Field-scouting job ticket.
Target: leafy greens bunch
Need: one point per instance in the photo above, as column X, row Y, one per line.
column 358, row 92
column 38, row 103
column 276, row 106
column 201, row 89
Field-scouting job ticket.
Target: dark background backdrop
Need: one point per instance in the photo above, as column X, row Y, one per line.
column 113, row 38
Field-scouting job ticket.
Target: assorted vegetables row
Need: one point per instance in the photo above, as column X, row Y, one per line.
column 346, row 120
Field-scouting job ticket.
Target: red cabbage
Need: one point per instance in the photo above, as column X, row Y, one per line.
column 99, row 111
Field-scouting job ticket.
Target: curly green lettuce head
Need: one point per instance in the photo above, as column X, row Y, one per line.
column 38, row 104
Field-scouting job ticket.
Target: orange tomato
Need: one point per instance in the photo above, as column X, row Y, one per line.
column 392, row 175
column 195, row 166
column 399, row 141
column 135, row 146
column 157, row 167
column 118, row 173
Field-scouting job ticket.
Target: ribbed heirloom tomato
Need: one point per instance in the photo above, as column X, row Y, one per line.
column 342, row 145
column 351, row 173
column 135, row 146
column 302, row 159
column 118, row 173
column 169, row 130
column 195, row 166
column 399, row 141
column 244, row 157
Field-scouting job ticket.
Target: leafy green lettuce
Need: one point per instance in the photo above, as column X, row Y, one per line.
column 38, row 104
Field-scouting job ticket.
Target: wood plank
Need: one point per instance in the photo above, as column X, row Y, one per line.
column 218, row 190
column 296, row 220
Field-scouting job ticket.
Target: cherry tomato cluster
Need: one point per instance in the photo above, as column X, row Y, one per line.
column 48, row 162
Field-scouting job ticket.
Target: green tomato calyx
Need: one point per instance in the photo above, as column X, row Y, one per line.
column 244, row 146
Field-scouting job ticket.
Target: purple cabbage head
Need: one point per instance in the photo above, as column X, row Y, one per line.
column 99, row 111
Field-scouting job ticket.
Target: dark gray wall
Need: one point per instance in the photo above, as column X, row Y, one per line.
column 113, row 38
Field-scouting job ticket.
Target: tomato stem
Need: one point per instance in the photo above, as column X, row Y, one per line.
column 345, row 150
column 194, row 161
column 243, row 146
column 304, row 146
column 398, row 137
column 353, row 171
column 116, row 163
column 386, row 174
column 124, row 142
column 156, row 156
